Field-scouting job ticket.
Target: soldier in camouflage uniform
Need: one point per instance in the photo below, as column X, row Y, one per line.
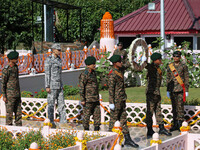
column 117, row 99
column 53, row 84
column 89, row 94
column 11, row 90
column 124, row 55
column 175, row 91
column 153, row 98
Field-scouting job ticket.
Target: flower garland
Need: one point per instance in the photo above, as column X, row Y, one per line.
column 119, row 131
column 84, row 143
column 155, row 141
column 183, row 128
column 47, row 124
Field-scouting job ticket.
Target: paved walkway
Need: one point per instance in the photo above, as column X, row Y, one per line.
column 138, row 134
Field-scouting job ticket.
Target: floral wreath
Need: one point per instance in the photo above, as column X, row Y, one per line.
column 132, row 50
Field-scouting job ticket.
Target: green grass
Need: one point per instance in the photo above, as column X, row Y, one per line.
column 137, row 95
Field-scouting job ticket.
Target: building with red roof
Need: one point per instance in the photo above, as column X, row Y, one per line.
column 182, row 23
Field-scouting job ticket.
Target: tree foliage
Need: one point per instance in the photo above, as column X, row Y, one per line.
column 16, row 20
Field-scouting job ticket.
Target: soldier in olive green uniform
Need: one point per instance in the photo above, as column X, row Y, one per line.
column 153, row 97
column 89, row 94
column 120, row 51
column 117, row 99
column 177, row 91
column 11, row 90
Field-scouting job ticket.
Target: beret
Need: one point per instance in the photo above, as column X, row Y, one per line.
column 115, row 58
column 56, row 46
column 13, row 55
column 177, row 53
column 156, row 56
column 90, row 60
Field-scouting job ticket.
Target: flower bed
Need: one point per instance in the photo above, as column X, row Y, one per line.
column 56, row 140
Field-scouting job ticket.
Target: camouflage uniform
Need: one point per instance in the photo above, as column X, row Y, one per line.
column 176, row 90
column 125, row 62
column 53, row 70
column 89, row 93
column 117, row 96
column 153, row 98
column 11, row 90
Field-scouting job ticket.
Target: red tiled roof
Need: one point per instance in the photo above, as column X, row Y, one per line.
column 181, row 17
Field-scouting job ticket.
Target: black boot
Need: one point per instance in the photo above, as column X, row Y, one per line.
column 175, row 126
column 129, row 141
column 150, row 132
column 179, row 124
column 86, row 128
column 163, row 130
column 97, row 128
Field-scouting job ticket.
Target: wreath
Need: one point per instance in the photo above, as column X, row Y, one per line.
column 133, row 50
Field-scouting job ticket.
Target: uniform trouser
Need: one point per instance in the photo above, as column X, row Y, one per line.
column 153, row 105
column 56, row 95
column 91, row 108
column 14, row 105
column 177, row 105
column 120, row 114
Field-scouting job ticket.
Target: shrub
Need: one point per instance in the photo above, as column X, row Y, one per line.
column 41, row 94
column 70, row 90
column 26, row 94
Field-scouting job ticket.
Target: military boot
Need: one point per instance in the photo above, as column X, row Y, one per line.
column 175, row 126
column 96, row 128
column 150, row 132
column 86, row 128
column 163, row 130
column 129, row 141
column 179, row 124
column 53, row 126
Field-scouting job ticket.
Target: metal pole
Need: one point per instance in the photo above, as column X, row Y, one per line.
column 162, row 23
column 45, row 23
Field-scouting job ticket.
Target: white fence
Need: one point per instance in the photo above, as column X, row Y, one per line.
column 188, row 141
column 136, row 111
column 105, row 142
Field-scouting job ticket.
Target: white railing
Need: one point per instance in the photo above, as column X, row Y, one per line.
column 135, row 111
column 105, row 142
column 188, row 141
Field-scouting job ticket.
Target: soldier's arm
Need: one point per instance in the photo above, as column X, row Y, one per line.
column 4, row 81
column 139, row 68
column 186, row 78
column 47, row 68
column 82, row 85
column 168, row 78
column 127, row 63
column 111, row 88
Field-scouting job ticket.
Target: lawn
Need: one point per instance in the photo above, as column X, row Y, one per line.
column 137, row 95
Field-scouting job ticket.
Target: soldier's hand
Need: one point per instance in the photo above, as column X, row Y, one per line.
column 83, row 103
column 186, row 94
column 112, row 106
column 48, row 90
column 168, row 94
column 5, row 99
